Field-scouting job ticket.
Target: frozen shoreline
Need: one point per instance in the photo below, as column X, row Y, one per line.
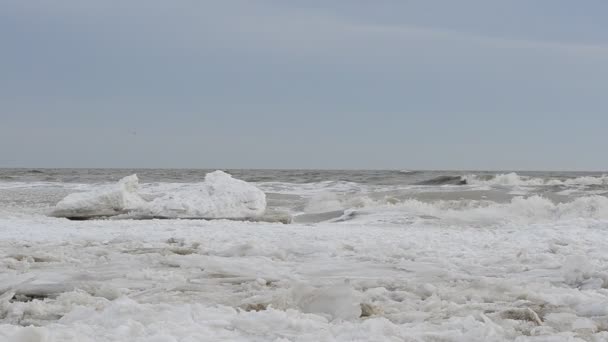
column 118, row 280
column 504, row 258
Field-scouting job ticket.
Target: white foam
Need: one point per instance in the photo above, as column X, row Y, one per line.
column 520, row 209
column 513, row 179
column 587, row 180
column 505, row 179
column 312, row 189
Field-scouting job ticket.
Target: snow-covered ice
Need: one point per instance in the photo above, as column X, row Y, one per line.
column 223, row 280
column 106, row 201
column 219, row 196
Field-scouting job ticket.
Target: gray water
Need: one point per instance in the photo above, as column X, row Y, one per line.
column 323, row 192
column 374, row 177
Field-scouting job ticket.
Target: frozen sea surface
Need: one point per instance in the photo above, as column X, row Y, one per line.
column 504, row 257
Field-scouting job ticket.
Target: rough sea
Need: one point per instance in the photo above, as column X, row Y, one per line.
column 398, row 255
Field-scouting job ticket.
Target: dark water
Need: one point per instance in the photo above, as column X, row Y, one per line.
column 374, row 177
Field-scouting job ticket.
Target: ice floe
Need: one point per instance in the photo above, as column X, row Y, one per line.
column 219, row 197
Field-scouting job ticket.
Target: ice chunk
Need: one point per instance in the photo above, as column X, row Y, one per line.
column 219, row 197
column 107, row 201
column 576, row 269
column 336, row 302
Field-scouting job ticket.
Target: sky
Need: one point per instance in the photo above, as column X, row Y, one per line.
column 341, row 84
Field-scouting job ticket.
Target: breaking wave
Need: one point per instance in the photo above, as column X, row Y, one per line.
column 519, row 209
column 513, row 179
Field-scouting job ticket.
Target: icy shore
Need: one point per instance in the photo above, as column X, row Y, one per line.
column 511, row 259
column 182, row 280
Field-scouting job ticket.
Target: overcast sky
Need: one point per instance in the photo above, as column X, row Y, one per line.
column 304, row 84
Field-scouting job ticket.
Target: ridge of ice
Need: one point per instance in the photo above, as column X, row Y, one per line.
column 219, row 197
column 107, row 201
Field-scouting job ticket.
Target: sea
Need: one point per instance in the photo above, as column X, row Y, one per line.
column 298, row 191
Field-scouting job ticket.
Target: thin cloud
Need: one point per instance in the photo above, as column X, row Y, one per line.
column 489, row 41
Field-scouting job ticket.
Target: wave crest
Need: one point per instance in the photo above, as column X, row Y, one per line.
column 514, row 179
column 533, row 209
